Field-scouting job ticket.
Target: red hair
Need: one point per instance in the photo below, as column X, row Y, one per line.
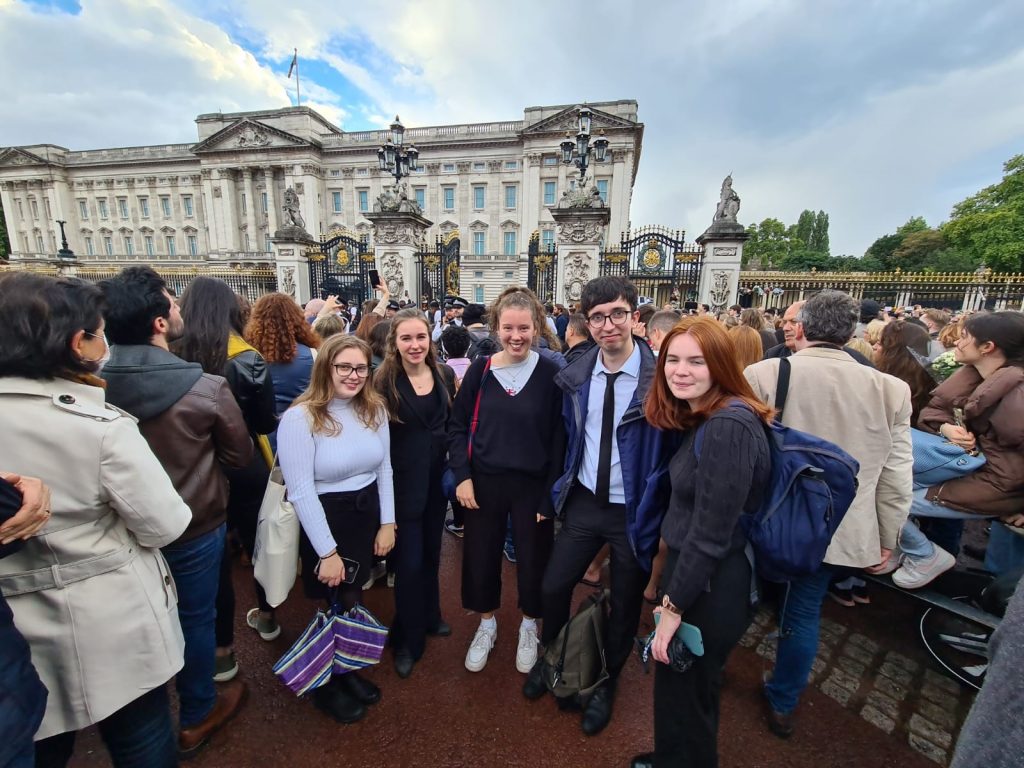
column 665, row 411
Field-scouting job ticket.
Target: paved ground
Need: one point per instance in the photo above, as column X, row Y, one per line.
column 876, row 700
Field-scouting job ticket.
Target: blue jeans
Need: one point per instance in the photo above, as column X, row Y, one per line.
column 915, row 544
column 1005, row 550
column 138, row 735
column 799, row 621
column 195, row 565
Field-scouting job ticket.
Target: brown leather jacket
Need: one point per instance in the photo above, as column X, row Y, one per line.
column 994, row 412
column 190, row 419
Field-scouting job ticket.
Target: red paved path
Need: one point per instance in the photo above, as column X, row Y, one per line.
column 446, row 716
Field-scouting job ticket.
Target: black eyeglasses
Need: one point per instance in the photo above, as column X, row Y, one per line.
column 345, row 370
column 617, row 316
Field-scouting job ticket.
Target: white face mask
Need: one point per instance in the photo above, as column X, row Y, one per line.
column 105, row 357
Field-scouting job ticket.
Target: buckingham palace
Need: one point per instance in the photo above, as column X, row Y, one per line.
column 220, row 198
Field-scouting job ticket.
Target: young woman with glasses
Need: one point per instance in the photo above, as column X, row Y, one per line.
column 418, row 393
column 505, row 450
column 334, row 446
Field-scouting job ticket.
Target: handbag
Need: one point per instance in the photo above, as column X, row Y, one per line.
column 448, row 483
column 937, row 460
column 359, row 640
column 276, row 554
column 309, row 663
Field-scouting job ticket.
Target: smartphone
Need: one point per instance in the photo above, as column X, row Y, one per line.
column 374, row 278
column 958, row 416
column 690, row 635
column 351, row 570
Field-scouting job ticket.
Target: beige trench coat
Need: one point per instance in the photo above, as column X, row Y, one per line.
column 867, row 414
column 91, row 591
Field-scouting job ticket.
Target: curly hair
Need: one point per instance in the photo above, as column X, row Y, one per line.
column 277, row 327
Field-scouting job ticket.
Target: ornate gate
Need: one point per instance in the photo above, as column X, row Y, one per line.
column 664, row 267
column 543, row 268
column 440, row 268
column 340, row 265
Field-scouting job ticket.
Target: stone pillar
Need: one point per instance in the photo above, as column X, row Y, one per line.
column 397, row 239
column 253, row 232
column 720, row 274
column 293, row 265
column 580, row 234
column 268, row 185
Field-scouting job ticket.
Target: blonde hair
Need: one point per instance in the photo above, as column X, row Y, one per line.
column 859, row 345
column 873, row 331
column 367, row 403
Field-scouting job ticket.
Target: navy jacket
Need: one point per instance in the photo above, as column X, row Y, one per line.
column 644, row 452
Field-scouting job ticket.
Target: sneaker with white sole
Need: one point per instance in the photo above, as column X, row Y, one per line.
column 916, row 572
column 480, row 648
column 268, row 629
column 526, row 654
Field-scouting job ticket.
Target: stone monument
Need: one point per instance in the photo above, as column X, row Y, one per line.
column 399, row 227
column 291, row 242
column 582, row 217
column 723, row 251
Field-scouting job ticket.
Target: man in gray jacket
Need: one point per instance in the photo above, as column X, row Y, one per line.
column 193, row 424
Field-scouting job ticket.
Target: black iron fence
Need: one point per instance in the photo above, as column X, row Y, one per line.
column 662, row 265
column 440, row 268
column 543, row 268
column 340, row 265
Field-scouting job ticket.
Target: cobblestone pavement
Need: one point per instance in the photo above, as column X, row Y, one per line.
column 876, row 701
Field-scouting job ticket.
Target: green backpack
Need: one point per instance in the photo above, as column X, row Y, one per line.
column 574, row 662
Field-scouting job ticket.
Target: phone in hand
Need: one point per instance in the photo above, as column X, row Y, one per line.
column 958, row 417
column 351, row 569
column 375, row 278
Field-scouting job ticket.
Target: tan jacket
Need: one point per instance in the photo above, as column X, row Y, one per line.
column 867, row 414
column 91, row 591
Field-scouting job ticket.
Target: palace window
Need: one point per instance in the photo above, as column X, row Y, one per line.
column 364, row 200
column 129, row 246
column 602, row 188
column 122, row 207
column 186, row 201
column 165, row 206
column 89, row 250
column 101, row 203
column 108, row 246
column 336, row 200
column 478, row 198
column 449, row 198
column 510, row 243
column 549, row 193
column 171, row 250
column 421, row 198
column 193, row 245
column 479, row 243
column 147, row 242
column 83, row 210
column 511, row 191
column 144, row 207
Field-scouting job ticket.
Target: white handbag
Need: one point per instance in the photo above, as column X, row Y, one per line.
column 276, row 556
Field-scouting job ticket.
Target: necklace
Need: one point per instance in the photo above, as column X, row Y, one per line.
column 513, row 371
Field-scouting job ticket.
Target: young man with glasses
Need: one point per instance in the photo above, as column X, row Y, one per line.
column 612, row 451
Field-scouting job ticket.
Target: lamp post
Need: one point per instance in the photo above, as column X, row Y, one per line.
column 578, row 152
column 394, row 157
column 64, row 252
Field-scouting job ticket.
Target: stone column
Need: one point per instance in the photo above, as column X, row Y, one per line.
column 580, row 233
column 255, row 237
column 397, row 239
column 268, row 183
column 720, row 274
column 293, row 264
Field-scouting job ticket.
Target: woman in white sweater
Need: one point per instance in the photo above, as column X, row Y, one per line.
column 335, row 453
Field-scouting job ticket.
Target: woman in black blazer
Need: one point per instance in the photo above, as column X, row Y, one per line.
column 419, row 393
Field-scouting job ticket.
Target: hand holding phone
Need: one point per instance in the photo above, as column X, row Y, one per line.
column 335, row 569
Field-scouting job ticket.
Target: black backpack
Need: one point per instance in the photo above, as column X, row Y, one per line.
column 574, row 662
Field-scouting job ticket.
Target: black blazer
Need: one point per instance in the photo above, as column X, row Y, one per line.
column 417, row 454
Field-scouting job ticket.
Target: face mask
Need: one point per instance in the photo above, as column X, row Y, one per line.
column 104, row 358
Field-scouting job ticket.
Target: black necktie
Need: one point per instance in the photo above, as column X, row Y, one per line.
column 604, row 457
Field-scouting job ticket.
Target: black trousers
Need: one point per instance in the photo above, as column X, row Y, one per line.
column 354, row 519
column 587, row 527
column 417, row 560
column 512, row 496
column 246, row 486
column 686, row 704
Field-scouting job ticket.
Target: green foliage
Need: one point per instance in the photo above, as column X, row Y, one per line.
column 819, row 235
column 767, row 245
column 797, row 247
column 881, row 251
column 989, row 226
column 805, row 228
column 914, row 224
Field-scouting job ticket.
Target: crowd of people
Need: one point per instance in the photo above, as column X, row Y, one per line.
column 141, row 428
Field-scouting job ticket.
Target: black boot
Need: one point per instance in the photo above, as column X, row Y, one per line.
column 535, row 687
column 359, row 688
column 338, row 704
column 404, row 662
column 598, row 712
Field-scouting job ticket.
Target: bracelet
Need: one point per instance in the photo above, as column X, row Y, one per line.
column 667, row 604
column 325, row 557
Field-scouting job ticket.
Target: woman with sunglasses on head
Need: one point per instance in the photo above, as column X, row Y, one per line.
column 334, row 446
column 418, row 393
column 506, row 443
column 699, row 390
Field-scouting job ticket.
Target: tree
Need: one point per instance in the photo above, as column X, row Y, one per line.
column 881, row 251
column 767, row 245
column 804, row 260
column 805, row 227
column 918, row 248
column 989, row 226
column 819, row 234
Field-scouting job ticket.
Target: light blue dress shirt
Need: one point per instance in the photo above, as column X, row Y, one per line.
column 625, row 388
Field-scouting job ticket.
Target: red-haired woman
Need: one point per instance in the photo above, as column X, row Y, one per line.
column 699, row 385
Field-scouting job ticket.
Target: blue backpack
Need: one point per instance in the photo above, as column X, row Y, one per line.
column 811, row 486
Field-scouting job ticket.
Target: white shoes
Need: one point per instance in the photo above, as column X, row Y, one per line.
column 917, row 572
column 480, row 648
column 526, row 654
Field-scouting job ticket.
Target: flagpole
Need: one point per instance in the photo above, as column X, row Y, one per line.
column 298, row 96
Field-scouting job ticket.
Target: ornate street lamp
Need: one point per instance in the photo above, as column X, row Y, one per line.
column 64, row 252
column 394, row 157
column 578, row 152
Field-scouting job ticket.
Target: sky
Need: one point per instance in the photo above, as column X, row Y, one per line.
column 874, row 111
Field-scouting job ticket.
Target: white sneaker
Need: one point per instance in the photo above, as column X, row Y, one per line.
column 480, row 648
column 916, row 572
column 526, row 654
column 378, row 571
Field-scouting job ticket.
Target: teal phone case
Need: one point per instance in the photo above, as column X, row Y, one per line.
column 690, row 635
